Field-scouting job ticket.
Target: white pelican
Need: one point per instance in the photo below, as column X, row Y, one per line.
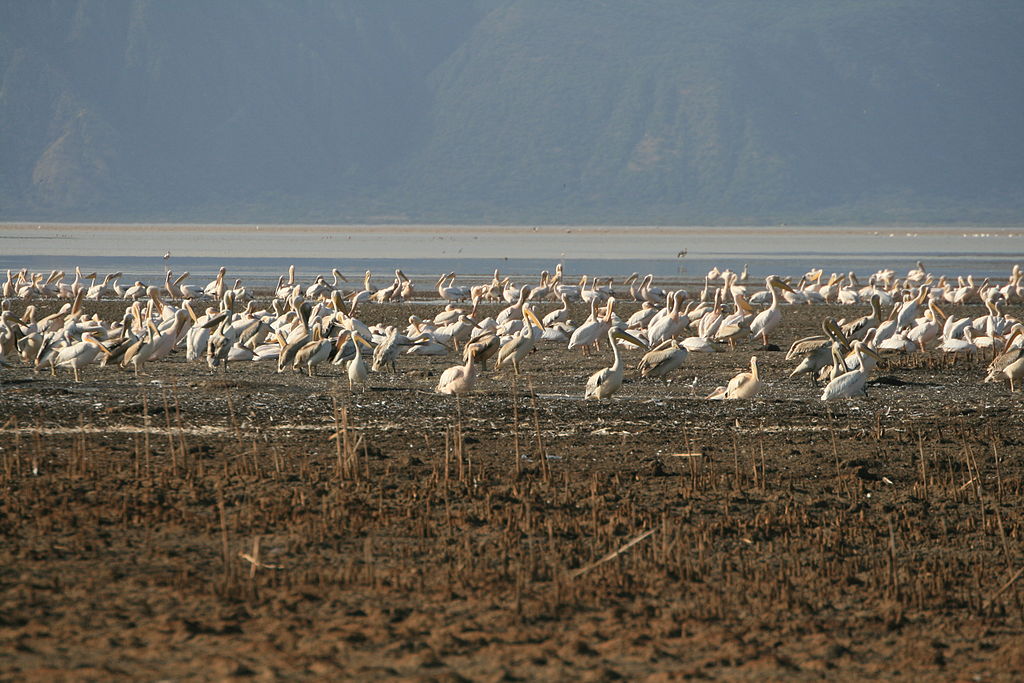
column 816, row 352
column 927, row 328
column 287, row 288
column 365, row 294
column 357, row 370
column 917, row 274
column 139, row 352
column 515, row 350
column 459, row 379
column 851, row 383
column 313, row 352
column 957, row 345
column 591, row 331
column 768, row 319
column 515, row 310
column 450, row 292
column 668, row 324
column 559, row 315
column 858, row 327
column 215, row 288
column 484, row 345
column 605, row 382
column 1008, row 364
column 662, row 360
column 908, row 311
column 743, row 385
column 642, row 318
column 96, row 292
column 700, row 344
column 189, row 291
column 80, row 354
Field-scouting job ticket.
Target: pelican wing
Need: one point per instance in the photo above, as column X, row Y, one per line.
column 807, row 345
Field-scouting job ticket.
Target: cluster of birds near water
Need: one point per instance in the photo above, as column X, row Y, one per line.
column 304, row 326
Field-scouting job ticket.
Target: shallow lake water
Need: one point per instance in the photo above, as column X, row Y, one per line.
column 258, row 254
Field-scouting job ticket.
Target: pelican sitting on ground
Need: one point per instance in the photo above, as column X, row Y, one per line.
column 851, row 383
column 743, row 385
column 662, row 360
column 605, row 382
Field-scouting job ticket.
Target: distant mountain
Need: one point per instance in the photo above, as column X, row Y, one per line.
column 650, row 111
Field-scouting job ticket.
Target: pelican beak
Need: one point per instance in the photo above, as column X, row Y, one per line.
column 939, row 310
column 782, row 285
column 98, row 345
column 838, row 331
column 534, row 318
column 626, row 336
column 868, row 351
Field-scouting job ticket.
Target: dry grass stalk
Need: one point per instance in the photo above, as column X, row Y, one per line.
column 612, row 555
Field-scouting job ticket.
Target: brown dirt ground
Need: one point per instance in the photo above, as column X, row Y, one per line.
column 444, row 540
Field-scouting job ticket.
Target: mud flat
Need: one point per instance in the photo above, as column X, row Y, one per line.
column 250, row 524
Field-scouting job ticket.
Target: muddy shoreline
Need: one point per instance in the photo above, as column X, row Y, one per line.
column 398, row 534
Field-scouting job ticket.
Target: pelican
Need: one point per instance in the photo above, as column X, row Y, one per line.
column 858, row 328
column 215, row 288
column 357, row 370
column 79, row 355
column 364, row 295
column 662, row 360
column 851, row 383
column 927, row 329
column 668, row 324
column 908, row 311
column 768, row 319
column 559, row 315
column 605, row 382
column 459, row 379
column 590, row 332
column 1009, row 364
column 313, row 352
column 743, row 385
column 139, row 352
column 816, row 351
column 522, row 344
column 96, row 292
column 451, row 292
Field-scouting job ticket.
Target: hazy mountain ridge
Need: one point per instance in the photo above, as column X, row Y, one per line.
column 517, row 110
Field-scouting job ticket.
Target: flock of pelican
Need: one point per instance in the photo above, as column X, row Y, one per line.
column 304, row 326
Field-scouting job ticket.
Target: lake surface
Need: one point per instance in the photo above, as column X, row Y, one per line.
column 258, row 254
